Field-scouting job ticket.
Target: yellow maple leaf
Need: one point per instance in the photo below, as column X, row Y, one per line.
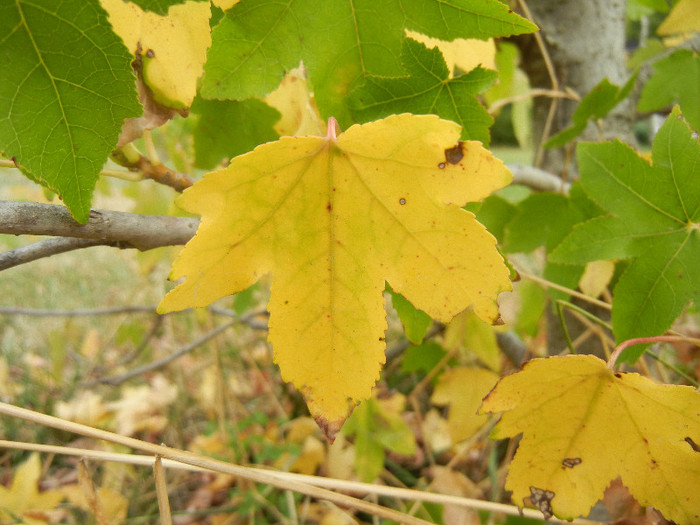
column 23, row 499
column 173, row 47
column 463, row 389
column 332, row 218
column 583, row 426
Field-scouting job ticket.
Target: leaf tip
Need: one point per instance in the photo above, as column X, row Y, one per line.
column 330, row 428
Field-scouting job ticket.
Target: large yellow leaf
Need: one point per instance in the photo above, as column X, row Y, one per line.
column 584, row 426
column 332, row 219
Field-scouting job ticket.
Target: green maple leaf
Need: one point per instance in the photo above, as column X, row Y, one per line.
column 339, row 42
column 676, row 79
column 252, row 120
column 427, row 89
column 67, row 88
column 654, row 219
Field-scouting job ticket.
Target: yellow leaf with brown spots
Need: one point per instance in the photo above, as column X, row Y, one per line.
column 583, row 426
column 333, row 219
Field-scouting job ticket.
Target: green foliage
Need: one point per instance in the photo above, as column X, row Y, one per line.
column 67, row 88
column 675, row 80
column 427, row 89
column 595, row 105
column 653, row 217
column 415, row 322
column 227, row 128
column 339, row 43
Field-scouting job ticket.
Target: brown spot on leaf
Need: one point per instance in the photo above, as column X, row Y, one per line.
column 570, row 462
column 402, row 201
column 441, row 165
column 618, row 375
column 329, row 206
column 150, row 53
column 541, row 499
column 692, row 444
column 454, row 154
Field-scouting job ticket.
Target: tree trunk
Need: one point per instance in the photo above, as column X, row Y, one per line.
column 586, row 43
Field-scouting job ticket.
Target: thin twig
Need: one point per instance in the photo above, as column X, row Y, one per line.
column 166, row 517
column 552, row 77
column 117, row 380
column 574, row 293
column 182, row 456
column 642, row 340
column 354, row 487
column 538, row 179
column 45, row 248
column 41, row 312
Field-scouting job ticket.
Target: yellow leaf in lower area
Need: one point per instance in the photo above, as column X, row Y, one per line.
column 583, row 426
column 472, row 335
column 23, row 499
column 173, row 47
column 113, row 505
column 463, row 389
column 596, row 277
column 333, row 219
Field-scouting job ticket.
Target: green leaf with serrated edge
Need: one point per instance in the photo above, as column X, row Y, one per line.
column 67, row 87
column 339, row 42
column 227, row 128
column 676, row 79
column 415, row 322
column 654, row 218
column 427, row 89
column 595, row 105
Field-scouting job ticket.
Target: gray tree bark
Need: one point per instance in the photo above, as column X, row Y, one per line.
column 585, row 41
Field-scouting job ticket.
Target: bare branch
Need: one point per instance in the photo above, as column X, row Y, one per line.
column 41, row 249
column 39, row 312
column 125, row 230
column 117, row 380
column 537, row 179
